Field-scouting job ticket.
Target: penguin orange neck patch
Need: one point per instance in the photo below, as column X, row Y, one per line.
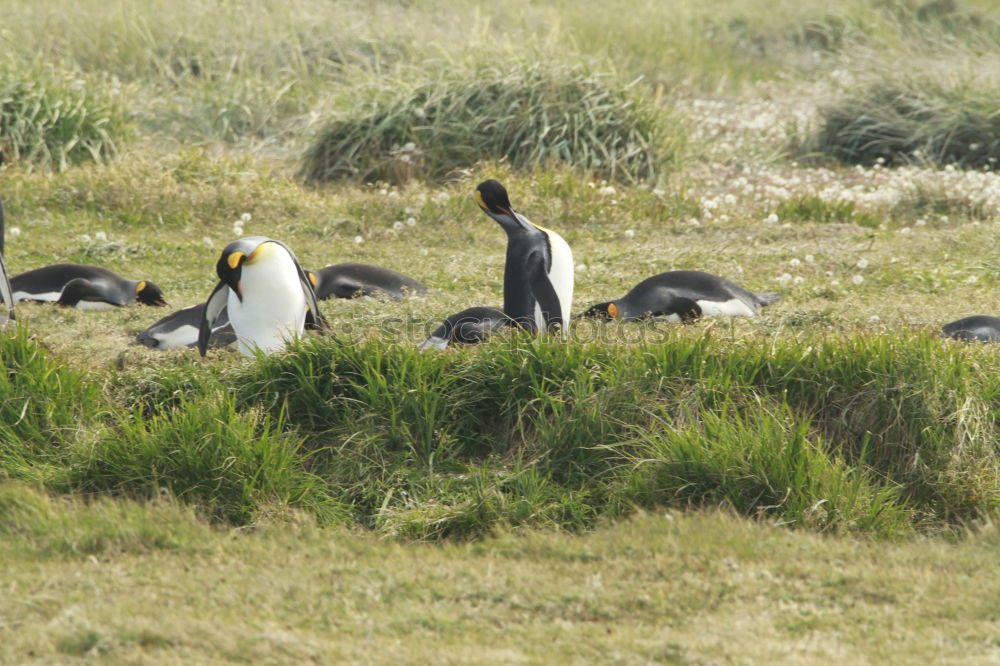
column 613, row 310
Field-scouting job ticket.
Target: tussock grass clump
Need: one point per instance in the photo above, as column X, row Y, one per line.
column 925, row 119
column 234, row 465
column 53, row 120
column 530, row 115
column 43, row 406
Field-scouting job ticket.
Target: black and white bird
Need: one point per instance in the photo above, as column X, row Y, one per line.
column 351, row 280
column 977, row 327
column 538, row 273
column 537, row 279
column 83, row 286
column 180, row 329
column 682, row 296
column 266, row 293
column 470, row 326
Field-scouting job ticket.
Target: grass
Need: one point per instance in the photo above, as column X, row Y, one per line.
column 818, row 483
column 531, row 116
column 48, row 119
column 664, row 586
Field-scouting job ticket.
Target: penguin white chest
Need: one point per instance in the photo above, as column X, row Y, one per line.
column 734, row 307
column 273, row 309
column 561, row 277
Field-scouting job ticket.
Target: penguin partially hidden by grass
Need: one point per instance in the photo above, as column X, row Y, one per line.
column 682, row 296
column 468, row 327
column 537, row 281
column 6, row 292
column 351, row 280
column 180, row 329
column 266, row 293
column 84, row 287
column 978, row 327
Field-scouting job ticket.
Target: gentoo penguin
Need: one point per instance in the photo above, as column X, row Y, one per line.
column 682, row 296
column 350, row 280
column 538, row 274
column 85, row 287
column 180, row 329
column 267, row 294
column 6, row 292
column 467, row 327
column 978, row 327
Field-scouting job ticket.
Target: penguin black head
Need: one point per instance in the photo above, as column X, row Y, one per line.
column 492, row 198
column 148, row 293
column 601, row 311
column 230, row 264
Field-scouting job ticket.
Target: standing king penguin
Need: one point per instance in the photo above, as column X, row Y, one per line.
column 538, row 274
column 6, row 293
column 266, row 293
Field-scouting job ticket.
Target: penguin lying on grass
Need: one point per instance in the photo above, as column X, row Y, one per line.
column 978, row 327
column 537, row 280
column 266, row 293
column 350, row 280
column 682, row 296
column 84, row 287
column 468, row 327
column 180, row 329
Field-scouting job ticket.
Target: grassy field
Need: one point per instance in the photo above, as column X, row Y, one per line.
column 819, row 483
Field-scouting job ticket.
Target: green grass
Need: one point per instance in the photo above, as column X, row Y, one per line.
column 52, row 119
column 530, row 115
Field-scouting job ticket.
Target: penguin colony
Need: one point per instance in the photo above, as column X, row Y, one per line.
column 264, row 297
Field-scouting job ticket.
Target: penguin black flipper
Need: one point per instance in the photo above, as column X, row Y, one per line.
column 543, row 291
column 213, row 307
column 5, row 291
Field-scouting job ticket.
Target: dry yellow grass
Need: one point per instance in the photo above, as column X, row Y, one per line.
column 702, row 588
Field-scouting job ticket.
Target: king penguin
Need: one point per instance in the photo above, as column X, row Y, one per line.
column 978, row 327
column 83, row 286
column 467, row 327
column 266, row 293
column 351, row 280
column 538, row 273
column 6, row 292
column 682, row 296
column 181, row 328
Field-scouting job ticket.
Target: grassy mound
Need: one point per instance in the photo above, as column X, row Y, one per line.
column 924, row 119
column 54, row 121
column 528, row 115
column 865, row 433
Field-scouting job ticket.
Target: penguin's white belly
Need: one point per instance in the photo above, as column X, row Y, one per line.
column 182, row 336
column 273, row 309
column 94, row 306
column 734, row 307
column 561, row 277
column 48, row 296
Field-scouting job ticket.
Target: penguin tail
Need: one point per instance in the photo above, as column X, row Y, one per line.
column 768, row 298
column 433, row 342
